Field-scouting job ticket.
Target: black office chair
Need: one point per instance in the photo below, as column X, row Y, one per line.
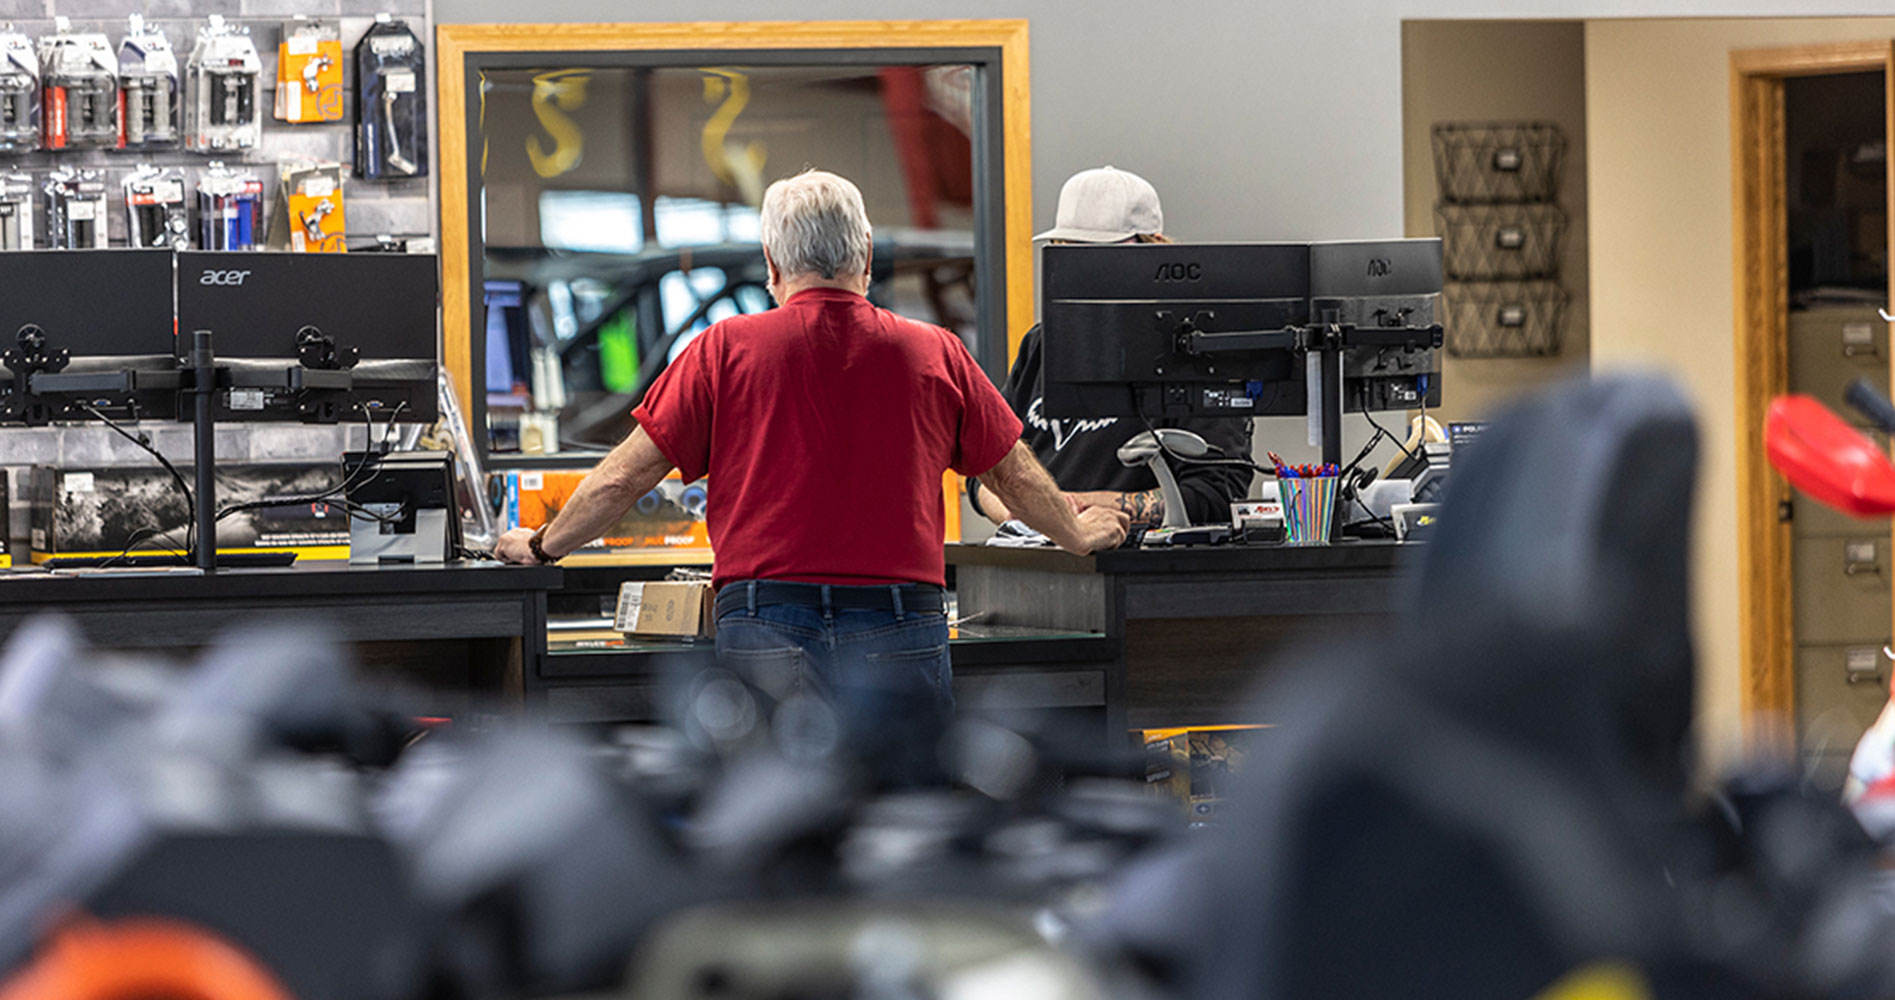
column 1485, row 800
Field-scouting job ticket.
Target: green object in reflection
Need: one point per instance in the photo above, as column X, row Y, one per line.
column 618, row 353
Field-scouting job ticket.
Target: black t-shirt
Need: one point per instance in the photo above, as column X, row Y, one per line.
column 1083, row 454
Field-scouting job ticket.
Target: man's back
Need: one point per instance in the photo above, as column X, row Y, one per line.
column 825, row 426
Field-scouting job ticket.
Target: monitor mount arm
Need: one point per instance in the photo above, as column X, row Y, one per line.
column 318, row 350
column 43, row 391
column 1328, row 339
column 31, row 355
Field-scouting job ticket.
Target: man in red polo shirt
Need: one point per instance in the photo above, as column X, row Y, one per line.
column 824, row 427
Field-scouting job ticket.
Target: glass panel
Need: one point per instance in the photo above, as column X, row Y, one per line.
column 619, row 216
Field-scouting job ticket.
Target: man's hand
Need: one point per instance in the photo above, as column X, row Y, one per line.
column 511, row 547
column 1021, row 484
column 1100, row 528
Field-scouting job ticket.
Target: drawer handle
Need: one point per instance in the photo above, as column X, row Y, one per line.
column 1865, row 677
column 1860, row 351
column 1858, row 569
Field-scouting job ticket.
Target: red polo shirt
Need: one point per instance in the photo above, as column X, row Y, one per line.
column 825, row 426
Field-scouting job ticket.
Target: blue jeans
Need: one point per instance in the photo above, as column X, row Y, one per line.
column 885, row 675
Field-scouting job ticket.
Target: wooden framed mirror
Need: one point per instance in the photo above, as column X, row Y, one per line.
column 599, row 185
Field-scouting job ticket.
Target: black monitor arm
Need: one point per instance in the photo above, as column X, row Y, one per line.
column 1328, row 339
column 318, row 350
column 30, row 356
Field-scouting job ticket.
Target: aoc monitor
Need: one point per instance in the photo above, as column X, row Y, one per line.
column 1377, row 285
column 86, row 328
column 1115, row 322
column 316, row 337
column 1228, row 329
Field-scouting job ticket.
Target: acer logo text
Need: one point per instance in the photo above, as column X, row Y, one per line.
column 223, row 277
column 1179, row 272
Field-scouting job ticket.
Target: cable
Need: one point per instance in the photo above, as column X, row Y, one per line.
column 1392, row 438
column 143, row 534
column 1374, row 440
column 190, row 504
column 1163, row 447
column 340, row 489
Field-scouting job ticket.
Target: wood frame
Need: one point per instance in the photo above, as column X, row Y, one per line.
column 454, row 42
column 1761, row 282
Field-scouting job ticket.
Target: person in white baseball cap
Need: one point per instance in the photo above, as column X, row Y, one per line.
column 1109, row 205
column 1106, row 205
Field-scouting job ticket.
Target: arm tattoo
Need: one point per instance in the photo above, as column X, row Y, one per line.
column 1143, row 508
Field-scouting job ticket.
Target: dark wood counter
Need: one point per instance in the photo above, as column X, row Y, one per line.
column 1194, row 629
column 471, row 629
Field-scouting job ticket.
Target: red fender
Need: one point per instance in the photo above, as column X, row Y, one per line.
column 1834, row 463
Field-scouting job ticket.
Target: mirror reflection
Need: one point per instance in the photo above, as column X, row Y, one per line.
column 619, row 218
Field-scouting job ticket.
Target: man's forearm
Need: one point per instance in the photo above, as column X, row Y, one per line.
column 986, row 503
column 1146, row 507
column 628, row 472
column 1031, row 496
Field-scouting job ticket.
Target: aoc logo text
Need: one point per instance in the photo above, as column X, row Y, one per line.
column 1379, row 267
column 223, row 277
column 1179, row 272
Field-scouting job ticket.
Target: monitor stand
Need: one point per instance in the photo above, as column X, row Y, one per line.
column 204, row 447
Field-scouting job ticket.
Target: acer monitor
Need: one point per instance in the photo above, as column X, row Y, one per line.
column 86, row 328
column 315, row 337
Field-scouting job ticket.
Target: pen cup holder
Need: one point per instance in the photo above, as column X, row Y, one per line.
column 1309, row 508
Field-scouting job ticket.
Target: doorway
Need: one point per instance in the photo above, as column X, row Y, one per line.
column 1812, row 181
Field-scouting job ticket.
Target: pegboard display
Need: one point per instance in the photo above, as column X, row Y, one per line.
column 399, row 207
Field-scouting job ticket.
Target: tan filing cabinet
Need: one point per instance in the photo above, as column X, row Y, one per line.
column 1840, row 567
column 1830, row 346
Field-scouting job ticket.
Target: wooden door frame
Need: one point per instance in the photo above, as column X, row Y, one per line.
column 1762, row 347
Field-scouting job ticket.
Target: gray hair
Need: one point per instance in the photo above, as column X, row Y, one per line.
column 814, row 223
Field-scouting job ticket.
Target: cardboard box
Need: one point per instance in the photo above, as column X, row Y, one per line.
column 98, row 512
column 666, row 607
column 670, row 517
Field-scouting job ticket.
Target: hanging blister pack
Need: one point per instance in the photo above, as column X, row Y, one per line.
column 17, row 224
column 391, row 103
column 220, row 90
column 78, row 77
column 75, row 209
column 19, row 91
column 229, row 209
column 308, row 217
column 156, row 213
column 147, row 88
column 309, row 72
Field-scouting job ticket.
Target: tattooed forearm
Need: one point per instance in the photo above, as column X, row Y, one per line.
column 1143, row 508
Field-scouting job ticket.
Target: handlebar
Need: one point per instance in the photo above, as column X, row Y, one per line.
column 1869, row 402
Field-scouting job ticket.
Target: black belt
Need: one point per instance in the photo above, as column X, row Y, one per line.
column 916, row 598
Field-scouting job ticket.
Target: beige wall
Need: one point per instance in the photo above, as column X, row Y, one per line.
column 1658, row 123
column 1492, row 71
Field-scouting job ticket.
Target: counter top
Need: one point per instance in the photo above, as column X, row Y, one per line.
column 304, row 578
column 1367, row 555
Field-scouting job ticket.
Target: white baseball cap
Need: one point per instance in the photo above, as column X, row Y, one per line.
column 1105, row 205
